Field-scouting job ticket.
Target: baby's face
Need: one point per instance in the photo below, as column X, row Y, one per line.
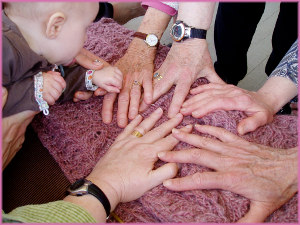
column 73, row 34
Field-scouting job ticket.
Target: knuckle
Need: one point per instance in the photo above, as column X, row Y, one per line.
column 197, row 179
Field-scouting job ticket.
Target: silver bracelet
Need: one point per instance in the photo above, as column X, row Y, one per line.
column 38, row 93
column 89, row 80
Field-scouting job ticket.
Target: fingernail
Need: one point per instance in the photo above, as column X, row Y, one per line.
column 175, row 131
column 97, row 62
column 184, row 104
column 161, row 154
column 158, row 110
column 179, row 115
column 3, row 91
column 189, row 126
column 183, row 110
column 167, row 183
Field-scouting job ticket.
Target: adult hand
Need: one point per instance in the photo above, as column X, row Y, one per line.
column 13, row 131
column 136, row 65
column 126, row 171
column 185, row 62
column 266, row 176
column 212, row 97
column 90, row 61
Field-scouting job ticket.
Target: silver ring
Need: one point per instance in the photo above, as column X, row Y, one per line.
column 157, row 76
column 136, row 83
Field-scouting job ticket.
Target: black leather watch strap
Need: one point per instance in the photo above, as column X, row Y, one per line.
column 198, row 33
column 98, row 193
column 83, row 187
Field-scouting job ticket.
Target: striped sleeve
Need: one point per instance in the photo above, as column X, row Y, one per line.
column 53, row 212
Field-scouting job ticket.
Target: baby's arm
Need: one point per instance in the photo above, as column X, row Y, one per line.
column 54, row 84
column 109, row 78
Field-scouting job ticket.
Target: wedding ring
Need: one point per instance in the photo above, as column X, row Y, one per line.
column 96, row 60
column 157, row 76
column 136, row 83
column 137, row 134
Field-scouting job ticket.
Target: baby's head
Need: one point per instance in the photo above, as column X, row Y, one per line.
column 56, row 30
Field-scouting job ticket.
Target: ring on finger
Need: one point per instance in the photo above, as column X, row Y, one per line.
column 137, row 133
column 136, row 83
column 157, row 76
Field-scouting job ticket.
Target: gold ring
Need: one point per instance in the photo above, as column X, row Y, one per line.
column 157, row 76
column 136, row 83
column 137, row 134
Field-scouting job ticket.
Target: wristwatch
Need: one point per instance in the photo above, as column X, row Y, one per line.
column 150, row 39
column 84, row 187
column 181, row 31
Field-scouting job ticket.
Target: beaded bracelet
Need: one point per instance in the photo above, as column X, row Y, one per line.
column 88, row 80
column 38, row 93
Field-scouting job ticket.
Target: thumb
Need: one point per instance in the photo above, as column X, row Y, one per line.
column 4, row 96
column 167, row 171
column 257, row 213
column 213, row 77
column 252, row 122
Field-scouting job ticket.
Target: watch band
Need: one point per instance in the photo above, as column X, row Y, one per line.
column 198, row 33
column 144, row 37
column 98, row 193
column 140, row 35
column 83, row 187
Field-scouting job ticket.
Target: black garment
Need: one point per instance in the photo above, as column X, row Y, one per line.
column 105, row 10
column 235, row 26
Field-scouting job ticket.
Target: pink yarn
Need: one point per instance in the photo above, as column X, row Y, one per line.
column 76, row 137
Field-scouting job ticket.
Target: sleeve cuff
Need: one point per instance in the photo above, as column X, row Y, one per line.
column 168, row 8
column 53, row 212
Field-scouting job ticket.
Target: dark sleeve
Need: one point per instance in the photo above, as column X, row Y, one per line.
column 20, row 93
column 105, row 10
column 75, row 80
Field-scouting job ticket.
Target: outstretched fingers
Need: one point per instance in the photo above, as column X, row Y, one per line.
column 205, row 180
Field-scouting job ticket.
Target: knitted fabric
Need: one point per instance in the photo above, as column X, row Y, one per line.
column 76, row 137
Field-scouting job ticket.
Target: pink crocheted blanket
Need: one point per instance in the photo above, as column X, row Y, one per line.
column 76, row 137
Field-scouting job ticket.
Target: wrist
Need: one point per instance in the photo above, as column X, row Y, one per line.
column 109, row 190
column 138, row 47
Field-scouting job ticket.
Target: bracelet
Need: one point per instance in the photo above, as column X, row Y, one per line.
column 38, row 93
column 88, row 80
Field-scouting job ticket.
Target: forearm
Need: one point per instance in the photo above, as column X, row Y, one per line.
column 196, row 14
column 154, row 22
column 278, row 91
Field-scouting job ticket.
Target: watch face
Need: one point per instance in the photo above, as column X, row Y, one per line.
column 177, row 32
column 77, row 184
column 151, row 40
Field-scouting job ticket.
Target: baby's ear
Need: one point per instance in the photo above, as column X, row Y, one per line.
column 55, row 24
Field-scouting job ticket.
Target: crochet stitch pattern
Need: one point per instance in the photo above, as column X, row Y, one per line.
column 76, row 137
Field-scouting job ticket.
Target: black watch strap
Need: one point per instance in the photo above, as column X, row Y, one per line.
column 98, row 193
column 198, row 33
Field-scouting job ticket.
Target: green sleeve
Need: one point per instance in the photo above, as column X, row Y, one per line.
column 53, row 212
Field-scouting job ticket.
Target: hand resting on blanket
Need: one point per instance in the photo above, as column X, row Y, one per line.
column 265, row 175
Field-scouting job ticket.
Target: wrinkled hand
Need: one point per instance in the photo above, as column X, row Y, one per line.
column 54, row 84
column 136, row 65
column 126, row 172
column 13, row 131
column 266, row 176
column 212, row 97
column 185, row 62
column 90, row 61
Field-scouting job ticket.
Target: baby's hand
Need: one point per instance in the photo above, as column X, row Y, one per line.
column 53, row 86
column 109, row 78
